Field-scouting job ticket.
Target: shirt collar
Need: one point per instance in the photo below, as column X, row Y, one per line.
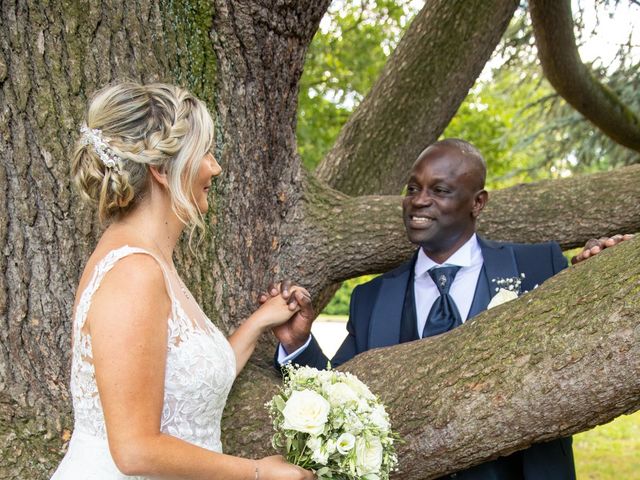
column 466, row 256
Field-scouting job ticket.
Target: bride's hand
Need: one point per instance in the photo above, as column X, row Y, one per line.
column 276, row 468
column 277, row 310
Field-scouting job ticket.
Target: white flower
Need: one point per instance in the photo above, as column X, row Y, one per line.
column 331, row 421
column 346, row 441
column 358, row 386
column 306, row 411
column 501, row 297
column 380, row 418
column 319, row 453
column 368, row 455
column 340, row 393
column 331, row 446
column 314, row 443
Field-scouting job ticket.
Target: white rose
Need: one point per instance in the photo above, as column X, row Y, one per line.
column 380, row 418
column 363, row 406
column 306, row 411
column 358, row 386
column 501, row 297
column 340, row 393
column 345, row 443
column 368, row 455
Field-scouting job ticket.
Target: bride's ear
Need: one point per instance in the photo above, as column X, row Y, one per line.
column 159, row 175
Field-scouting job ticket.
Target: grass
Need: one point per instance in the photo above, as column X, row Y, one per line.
column 610, row 451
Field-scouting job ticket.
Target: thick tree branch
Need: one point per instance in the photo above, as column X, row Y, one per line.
column 553, row 27
column 569, row 211
column 420, row 89
column 558, row 361
column 369, row 234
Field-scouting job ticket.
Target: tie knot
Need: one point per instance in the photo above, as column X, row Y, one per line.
column 443, row 277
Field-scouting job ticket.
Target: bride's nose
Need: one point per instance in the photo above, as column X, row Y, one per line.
column 214, row 166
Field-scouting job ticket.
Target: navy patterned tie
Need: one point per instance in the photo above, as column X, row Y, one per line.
column 444, row 314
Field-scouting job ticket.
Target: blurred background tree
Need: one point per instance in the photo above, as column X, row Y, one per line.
column 523, row 127
column 525, row 130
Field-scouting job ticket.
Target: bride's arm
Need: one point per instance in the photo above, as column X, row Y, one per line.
column 273, row 312
column 128, row 326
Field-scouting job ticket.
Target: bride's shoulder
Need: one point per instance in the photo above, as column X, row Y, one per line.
column 128, row 280
column 121, row 265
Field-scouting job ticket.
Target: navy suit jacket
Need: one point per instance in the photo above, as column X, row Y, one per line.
column 376, row 306
column 375, row 318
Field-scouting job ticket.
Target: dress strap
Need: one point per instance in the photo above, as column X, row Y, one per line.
column 101, row 269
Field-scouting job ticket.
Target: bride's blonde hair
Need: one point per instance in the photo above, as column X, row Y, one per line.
column 129, row 127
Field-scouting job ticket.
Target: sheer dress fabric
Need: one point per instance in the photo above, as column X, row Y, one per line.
column 200, row 369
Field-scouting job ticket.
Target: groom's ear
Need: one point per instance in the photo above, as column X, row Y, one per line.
column 480, row 199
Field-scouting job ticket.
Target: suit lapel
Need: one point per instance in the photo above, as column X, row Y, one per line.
column 482, row 295
column 386, row 316
column 498, row 262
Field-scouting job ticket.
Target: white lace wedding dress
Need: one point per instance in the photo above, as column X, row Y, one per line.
column 199, row 372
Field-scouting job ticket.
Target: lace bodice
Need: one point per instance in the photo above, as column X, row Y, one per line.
column 199, row 372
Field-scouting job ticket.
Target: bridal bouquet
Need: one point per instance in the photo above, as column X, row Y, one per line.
column 331, row 423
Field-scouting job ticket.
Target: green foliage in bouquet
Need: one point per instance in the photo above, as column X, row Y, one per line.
column 331, row 423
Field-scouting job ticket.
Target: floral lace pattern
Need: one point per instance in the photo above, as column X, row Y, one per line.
column 200, row 370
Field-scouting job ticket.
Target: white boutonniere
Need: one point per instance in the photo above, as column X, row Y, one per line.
column 507, row 289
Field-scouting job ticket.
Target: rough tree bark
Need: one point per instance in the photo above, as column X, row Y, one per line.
column 52, row 56
column 553, row 28
column 426, row 94
column 369, row 233
column 559, row 360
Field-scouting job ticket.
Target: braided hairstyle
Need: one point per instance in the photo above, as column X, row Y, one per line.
column 142, row 125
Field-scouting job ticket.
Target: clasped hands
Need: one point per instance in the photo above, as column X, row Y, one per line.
column 293, row 333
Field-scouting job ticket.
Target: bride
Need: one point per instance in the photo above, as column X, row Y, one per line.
column 150, row 374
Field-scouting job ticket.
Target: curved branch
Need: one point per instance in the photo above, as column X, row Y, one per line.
column 420, row 89
column 369, row 235
column 558, row 361
column 553, row 27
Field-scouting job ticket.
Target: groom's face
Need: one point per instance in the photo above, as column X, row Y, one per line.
column 444, row 195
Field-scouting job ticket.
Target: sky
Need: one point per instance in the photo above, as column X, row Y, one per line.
column 616, row 26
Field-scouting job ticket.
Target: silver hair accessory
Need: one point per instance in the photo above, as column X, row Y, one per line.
column 93, row 137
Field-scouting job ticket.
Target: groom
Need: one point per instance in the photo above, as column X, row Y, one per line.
column 448, row 281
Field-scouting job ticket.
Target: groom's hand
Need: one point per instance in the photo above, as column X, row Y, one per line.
column 294, row 333
column 596, row 245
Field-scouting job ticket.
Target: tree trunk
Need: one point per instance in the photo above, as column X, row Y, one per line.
column 420, row 89
column 560, row 360
column 553, row 27
column 267, row 218
column 52, row 56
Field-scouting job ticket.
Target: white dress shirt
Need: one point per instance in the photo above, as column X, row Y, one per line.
column 469, row 258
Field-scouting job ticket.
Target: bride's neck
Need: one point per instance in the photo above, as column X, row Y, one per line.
column 155, row 223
